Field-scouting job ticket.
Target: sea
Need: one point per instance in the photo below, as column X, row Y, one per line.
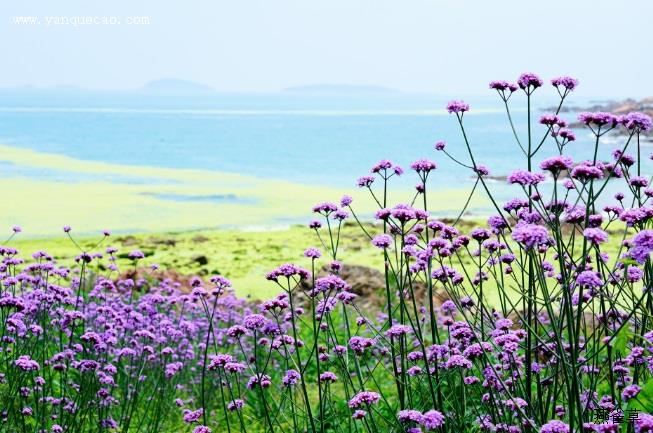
column 312, row 138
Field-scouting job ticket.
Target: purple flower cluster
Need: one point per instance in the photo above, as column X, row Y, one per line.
column 529, row 82
column 525, row 178
column 567, row 82
column 529, row 323
column 598, row 119
column 457, row 107
column 556, row 164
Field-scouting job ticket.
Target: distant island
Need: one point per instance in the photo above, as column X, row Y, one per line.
column 174, row 86
column 341, row 89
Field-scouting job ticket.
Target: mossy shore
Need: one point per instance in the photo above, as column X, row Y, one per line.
column 242, row 256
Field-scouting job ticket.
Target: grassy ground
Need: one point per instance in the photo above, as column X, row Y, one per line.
column 242, row 256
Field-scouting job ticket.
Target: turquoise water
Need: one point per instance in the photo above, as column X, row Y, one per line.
column 312, row 139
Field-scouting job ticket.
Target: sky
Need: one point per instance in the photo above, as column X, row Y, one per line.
column 433, row 46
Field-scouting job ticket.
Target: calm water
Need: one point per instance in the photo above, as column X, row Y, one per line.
column 310, row 139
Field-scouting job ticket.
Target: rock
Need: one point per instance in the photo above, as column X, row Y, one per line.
column 164, row 241
column 200, row 259
column 182, row 280
column 128, row 241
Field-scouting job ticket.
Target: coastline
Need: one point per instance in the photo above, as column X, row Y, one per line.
column 91, row 196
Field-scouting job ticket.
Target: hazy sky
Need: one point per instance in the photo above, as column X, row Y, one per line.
column 443, row 46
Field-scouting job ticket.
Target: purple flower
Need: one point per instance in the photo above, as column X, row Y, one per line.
column 642, row 246
column 25, row 363
column 476, row 350
column 262, row 380
column 440, row 145
column 530, row 235
column 638, row 182
column 291, row 378
column 325, row 208
column 501, row 85
column 236, row 331
column 503, row 324
column 359, row 344
column 136, row 254
column 67, row 229
column 556, row 164
column 458, row 361
column 364, row 398
column 340, row 215
column 555, row 426
column 220, row 282
column 409, row 415
column 382, row 241
column 529, row 82
column 384, row 167
column 598, row 119
column 191, row 416
column 236, row 404
column 16, row 229
column 595, row 235
column 423, row 166
column 552, row 120
column 636, row 121
column 566, row 134
column 586, row 171
column 567, row 82
column 330, row 283
column 589, row 279
column 457, row 107
column 448, row 307
column 630, row 392
column 497, row 223
column 365, row 181
column 383, row 214
column 524, row 178
column 234, row 367
column 359, row 414
column 398, row 330
column 432, row 420
column 346, row 200
column 515, row 204
column 201, row 429
column 644, row 423
column 480, row 234
column 254, row 321
column 328, row 376
column 288, row 270
column 634, row 274
column 482, row 170
column 312, row 253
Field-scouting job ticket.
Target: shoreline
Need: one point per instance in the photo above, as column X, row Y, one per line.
column 131, row 199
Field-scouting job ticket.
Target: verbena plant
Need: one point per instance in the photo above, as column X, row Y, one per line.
column 542, row 330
